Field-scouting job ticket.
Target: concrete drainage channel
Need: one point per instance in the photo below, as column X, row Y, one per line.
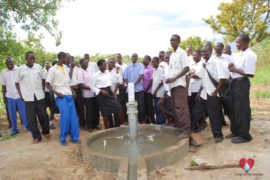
column 112, row 151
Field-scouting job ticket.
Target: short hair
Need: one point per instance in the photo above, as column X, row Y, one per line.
column 155, row 59
column 9, row 59
column 28, row 53
column 148, row 57
column 54, row 62
column 61, row 55
column 197, row 51
column 161, row 52
column 119, row 54
column 177, row 36
column 86, row 55
column 221, row 44
column 81, row 60
column 100, row 62
column 244, row 37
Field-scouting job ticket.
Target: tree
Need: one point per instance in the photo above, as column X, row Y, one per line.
column 31, row 15
column 194, row 42
column 242, row 16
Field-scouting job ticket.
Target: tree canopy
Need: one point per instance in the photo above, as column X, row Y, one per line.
column 242, row 16
column 194, row 42
column 31, row 16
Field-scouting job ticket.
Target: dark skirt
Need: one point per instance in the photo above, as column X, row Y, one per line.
column 108, row 104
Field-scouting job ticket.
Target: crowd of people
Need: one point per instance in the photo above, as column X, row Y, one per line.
column 178, row 88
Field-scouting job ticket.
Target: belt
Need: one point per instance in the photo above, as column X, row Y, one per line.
column 240, row 79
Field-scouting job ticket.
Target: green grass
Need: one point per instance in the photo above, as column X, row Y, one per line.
column 262, row 76
column 262, row 94
column 7, row 137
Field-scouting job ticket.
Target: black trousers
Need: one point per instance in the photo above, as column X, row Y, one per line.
column 90, row 112
column 139, row 96
column 79, row 107
column 149, row 107
column 123, row 99
column 114, row 120
column 33, row 109
column 241, row 108
column 212, row 106
column 96, row 112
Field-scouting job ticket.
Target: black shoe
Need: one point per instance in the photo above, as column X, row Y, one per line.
column 218, row 140
column 230, row 136
column 224, row 123
column 239, row 140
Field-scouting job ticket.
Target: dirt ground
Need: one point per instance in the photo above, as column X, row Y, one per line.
column 19, row 159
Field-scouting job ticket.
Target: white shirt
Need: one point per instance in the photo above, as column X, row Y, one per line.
column 30, row 80
column 226, row 60
column 85, row 77
column 45, row 76
column 178, row 61
column 92, row 68
column 59, row 81
column 101, row 80
column 165, row 72
column 122, row 66
column 217, row 71
column 157, row 79
column 195, row 84
column 74, row 78
column 246, row 61
column 8, row 78
column 116, row 78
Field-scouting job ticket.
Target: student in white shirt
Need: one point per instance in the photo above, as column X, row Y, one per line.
column 227, row 50
column 7, row 79
column 73, row 74
column 178, row 66
column 107, row 102
column 196, row 67
column 92, row 69
column 243, row 68
column 225, row 96
column 58, row 82
column 123, row 96
column 116, row 80
column 84, row 79
column 165, row 103
column 157, row 89
column 209, row 93
column 30, row 84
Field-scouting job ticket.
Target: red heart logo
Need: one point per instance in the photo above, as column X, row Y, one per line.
column 246, row 165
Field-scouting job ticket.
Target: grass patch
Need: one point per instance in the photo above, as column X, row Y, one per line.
column 7, row 137
column 262, row 94
column 193, row 163
column 262, row 76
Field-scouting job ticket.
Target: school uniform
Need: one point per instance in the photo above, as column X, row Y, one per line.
column 207, row 102
column 131, row 74
column 108, row 105
column 30, row 81
column 245, row 60
column 8, row 78
column 92, row 69
column 178, row 61
column 79, row 99
column 60, row 81
column 157, row 79
column 194, row 85
column 122, row 97
column 84, row 77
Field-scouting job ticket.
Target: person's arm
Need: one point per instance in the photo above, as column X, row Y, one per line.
column 43, row 84
column 183, row 72
column 84, row 86
column 219, row 86
column 157, row 88
column 58, row 94
column 71, row 69
column 232, row 68
column 116, row 88
column 138, row 79
column 4, row 91
column 149, row 85
column 199, row 94
column 19, row 89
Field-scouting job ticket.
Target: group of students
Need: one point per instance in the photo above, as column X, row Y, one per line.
column 181, row 88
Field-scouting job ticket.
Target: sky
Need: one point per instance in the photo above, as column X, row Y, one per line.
column 128, row 26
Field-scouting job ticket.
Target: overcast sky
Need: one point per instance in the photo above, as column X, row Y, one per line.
column 127, row 26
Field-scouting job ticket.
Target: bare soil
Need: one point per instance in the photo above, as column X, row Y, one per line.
column 49, row 160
